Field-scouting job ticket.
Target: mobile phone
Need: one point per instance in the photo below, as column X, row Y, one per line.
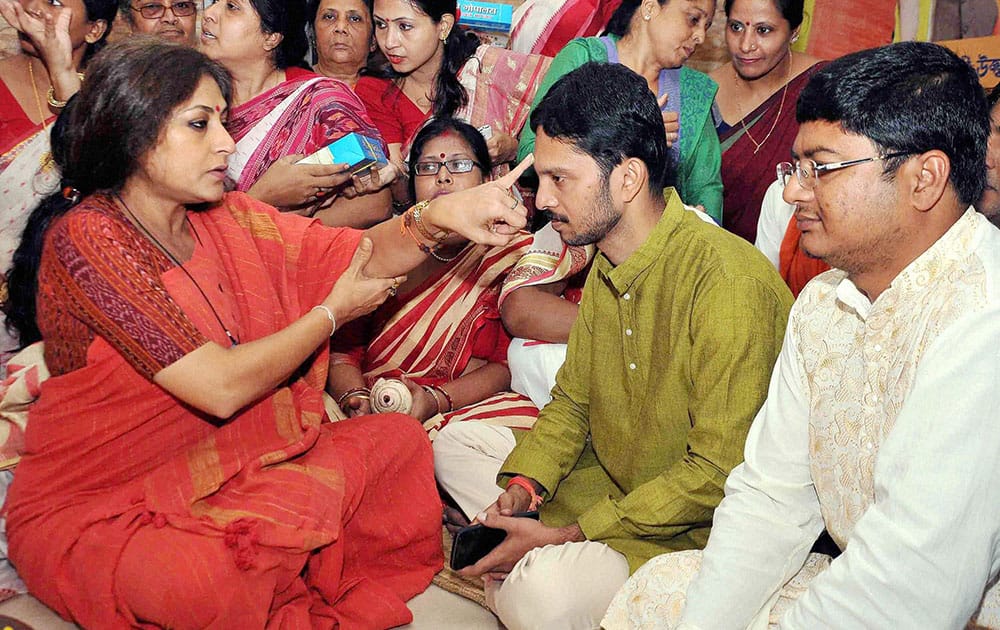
column 472, row 543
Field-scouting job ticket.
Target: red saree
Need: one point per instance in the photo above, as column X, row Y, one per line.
column 129, row 508
column 746, row 175
column 442, row 329
column 500, row 85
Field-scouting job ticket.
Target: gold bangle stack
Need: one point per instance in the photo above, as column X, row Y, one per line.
column 417, row 211
column 50, row 96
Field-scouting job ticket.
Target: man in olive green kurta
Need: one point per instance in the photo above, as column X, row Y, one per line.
column 668, row 363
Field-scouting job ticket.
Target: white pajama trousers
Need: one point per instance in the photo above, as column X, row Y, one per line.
column 558, row 586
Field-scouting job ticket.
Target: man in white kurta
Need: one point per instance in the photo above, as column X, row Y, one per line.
column 882, row 422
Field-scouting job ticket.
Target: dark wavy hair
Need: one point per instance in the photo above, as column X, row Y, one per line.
column 288, row 18
column 439, row 126
column 449, row 95
column 131, row 90
column 910, row 98
column 791, row 10
column 609, row 113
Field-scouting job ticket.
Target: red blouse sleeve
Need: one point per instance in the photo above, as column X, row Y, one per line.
column 99, row 277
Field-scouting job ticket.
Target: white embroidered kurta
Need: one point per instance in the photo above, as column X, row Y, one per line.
column 882, row 423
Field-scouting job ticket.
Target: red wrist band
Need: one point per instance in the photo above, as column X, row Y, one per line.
column 522, row 481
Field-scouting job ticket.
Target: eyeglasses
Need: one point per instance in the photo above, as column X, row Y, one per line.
column 156, row 11
column 808, row 171
column 454, row 167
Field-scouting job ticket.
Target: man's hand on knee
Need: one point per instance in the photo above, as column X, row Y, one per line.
column 523, row 535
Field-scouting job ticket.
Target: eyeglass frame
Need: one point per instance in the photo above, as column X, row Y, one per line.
column 163, row 9
column 818, row 167
column 438, row 165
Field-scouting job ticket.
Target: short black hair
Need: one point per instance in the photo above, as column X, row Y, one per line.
column 610, row 114
column 909, row 97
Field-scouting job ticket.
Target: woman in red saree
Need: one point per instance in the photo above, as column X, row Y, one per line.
column 442, row 333
column 179, row 467
column 282, row 113
column 439, row 69
column 756, row 103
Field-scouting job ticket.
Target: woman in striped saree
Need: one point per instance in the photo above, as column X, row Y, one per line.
column 443, row 331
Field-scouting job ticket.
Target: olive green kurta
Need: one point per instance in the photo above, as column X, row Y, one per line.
column 668, row 363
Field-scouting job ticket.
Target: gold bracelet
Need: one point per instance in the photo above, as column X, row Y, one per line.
column 417, row 211
column 50, row 96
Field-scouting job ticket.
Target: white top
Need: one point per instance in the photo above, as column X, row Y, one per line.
column 882, row 423
column 772, row 223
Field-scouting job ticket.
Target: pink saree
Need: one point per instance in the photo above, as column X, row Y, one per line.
column 301, row 115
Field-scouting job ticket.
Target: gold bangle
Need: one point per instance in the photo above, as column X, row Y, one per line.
column 50, row 96
column 417, row 220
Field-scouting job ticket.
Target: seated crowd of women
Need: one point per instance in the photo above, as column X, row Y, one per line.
column 201, row 332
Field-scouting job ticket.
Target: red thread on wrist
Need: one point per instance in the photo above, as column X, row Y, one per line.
column 522, row 481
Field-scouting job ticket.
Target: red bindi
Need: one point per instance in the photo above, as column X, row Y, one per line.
column 217, row 109
column 441, row 156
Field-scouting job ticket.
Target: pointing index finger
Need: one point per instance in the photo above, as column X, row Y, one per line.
column 511, row 178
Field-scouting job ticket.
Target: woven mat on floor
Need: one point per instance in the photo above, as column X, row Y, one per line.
column 469, row 588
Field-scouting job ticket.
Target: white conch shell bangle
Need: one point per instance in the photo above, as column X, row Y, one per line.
column 391, row 395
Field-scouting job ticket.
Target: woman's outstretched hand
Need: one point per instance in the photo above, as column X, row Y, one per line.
column 355, row 292
column 488, row 214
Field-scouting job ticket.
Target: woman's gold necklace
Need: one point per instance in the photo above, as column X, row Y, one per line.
column 781, row 106
column 45, row 162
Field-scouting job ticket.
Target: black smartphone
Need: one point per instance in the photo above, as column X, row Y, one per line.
column 472, row 543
